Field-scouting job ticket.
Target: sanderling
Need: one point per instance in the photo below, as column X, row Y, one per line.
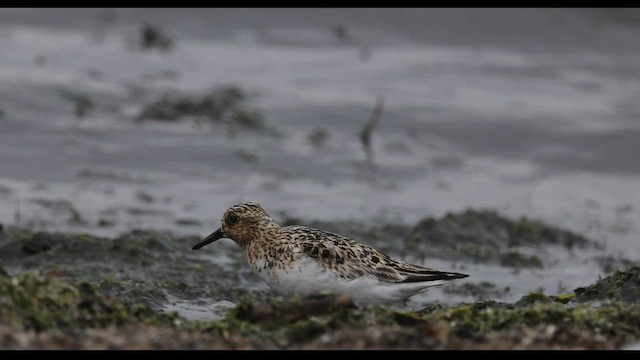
column 302, row 260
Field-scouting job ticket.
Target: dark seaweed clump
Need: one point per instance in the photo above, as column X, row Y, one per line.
column 226, row 106
column 621, row 286
column 152, row 37
column 83, row 104
column 486, row 236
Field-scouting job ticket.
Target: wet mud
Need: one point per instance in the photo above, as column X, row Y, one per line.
column 113, row 290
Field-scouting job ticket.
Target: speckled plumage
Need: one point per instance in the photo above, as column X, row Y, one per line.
column 301, row 260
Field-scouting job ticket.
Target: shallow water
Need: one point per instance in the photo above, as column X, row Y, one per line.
column 501, row 113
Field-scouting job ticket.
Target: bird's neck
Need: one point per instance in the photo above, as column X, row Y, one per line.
column 263, row 231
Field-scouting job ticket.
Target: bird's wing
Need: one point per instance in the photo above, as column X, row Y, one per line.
column 352, row 260
column 415, row 273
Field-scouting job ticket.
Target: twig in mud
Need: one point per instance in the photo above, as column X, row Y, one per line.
column 365, row 133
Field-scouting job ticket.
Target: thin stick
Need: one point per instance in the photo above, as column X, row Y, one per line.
column 365, row 133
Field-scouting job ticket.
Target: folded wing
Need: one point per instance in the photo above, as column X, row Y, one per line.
column 351, row 260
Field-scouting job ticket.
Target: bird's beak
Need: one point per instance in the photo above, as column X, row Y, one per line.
column 209, row 239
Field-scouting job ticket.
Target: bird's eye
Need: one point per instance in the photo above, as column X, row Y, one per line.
column 232, row 218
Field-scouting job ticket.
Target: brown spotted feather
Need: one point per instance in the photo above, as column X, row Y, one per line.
column 351, row 259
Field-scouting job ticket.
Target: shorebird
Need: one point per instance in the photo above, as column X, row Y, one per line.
column 302, row 260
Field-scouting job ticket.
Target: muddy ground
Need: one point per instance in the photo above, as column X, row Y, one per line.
column 77, row 291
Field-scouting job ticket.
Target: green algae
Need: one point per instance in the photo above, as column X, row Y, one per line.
column 471, row 324
column 584, row 326
column 35, row 301
column 43, row 302
column 620, row 286
column 482, row 319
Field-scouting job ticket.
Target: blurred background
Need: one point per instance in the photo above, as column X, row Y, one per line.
column 121, row 119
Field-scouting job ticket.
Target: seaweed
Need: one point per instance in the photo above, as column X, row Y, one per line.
column 226, row 106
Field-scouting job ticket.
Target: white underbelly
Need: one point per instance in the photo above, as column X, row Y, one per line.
column 307, row 277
